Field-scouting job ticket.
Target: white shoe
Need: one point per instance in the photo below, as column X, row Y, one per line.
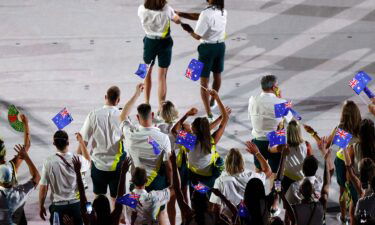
column 338, row 217
column 213, row 106
column 211, row 118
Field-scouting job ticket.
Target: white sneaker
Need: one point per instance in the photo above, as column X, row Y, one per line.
column 338, row 217
column 211, row 118
column 213, row 106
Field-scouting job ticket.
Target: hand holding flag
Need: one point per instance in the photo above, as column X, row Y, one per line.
column 62, row 119
column 282, row 109
column 194, row 71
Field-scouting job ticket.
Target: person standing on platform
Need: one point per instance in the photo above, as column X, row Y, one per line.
column 156, row 17
column 210, row 31
column 263, row 120
column 102, row 126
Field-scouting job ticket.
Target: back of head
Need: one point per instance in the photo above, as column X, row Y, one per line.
column 155, row 4
column 139, row 177
column 254, row 199
column 201, row 128
column 168, row 112
column 102, row 209
column 294, row 134
column 350, row 118
column 2, row 150
column 113, row 95
column 366, row 171
column 144, row 111
column 234, row 163
column 217, row 3
column 310, row 166
column 61, row 140
column 367, row 138
column 268, row 82
column 306, row 189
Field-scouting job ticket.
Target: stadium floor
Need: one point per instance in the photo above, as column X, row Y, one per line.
column 56, row 54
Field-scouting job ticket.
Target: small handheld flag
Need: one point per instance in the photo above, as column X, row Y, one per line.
column 359, row 82
column 194, row 70
column 201, row 188
column 62, row 119
column 242, row 210
column 342, row 138
column 186, row 139
column 142, row 70
column 154, row 144
column 282, row 109
column 277, row 137
column 130, row 200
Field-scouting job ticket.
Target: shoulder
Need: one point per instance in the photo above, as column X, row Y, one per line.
column 141, row 8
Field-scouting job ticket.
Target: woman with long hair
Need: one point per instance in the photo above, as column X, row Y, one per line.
column 210, row 31
column 156, row 17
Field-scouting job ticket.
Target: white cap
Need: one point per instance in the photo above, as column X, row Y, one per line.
column 5, row 174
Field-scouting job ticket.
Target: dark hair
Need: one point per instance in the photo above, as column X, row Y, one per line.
column 144, row 111
column 367, row 139
column 350, row 118
column 366, row 171
column 113, row 94
column 218, row 3
column 276, row 221
column 155, row 4
column 199, row 203
column 2, row 148
column 253, row 198
column 139, row 177
column 306, row 189
column 310, row 166
column 373, row 184
column 102, row 209
column 267, row 82
column 201, row 128
column 60, row 140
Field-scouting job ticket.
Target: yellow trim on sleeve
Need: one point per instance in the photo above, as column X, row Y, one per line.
column 118, row 156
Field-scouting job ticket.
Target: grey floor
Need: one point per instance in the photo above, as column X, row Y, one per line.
column 56, row 54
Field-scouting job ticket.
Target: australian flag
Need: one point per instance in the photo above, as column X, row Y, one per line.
column 201, row 188
column 194, row 70
column 130, row 200
column 342, row 138
column 142, row 71
column 282, row 109
column 369, row 93
column 62, row 119
column 242, row 210
column 154, row 144
column 359, row 82
column 277, row 137
column 186, row 139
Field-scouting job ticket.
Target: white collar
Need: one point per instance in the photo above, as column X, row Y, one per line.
column 268, row 94
column 109, row 107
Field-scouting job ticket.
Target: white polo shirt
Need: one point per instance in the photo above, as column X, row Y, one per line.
column 233, row 186
column 200, row 159
column 149, row 207
column 166, row 129
column 262, row 114
column 156, row 22
column 103, row 127
column 140, row 150
column 60, row 178
column 211, row 25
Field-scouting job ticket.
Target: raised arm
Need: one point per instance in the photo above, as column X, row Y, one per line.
column 224, row 114
column 189, row 16
column 190, row 30
column 228, row 203
column 186, row 211
column 129, row 105
column 253, row 149
column 116, row 214
column 288, row 208
column 284, row 152
column 312, row 132
column 216, row 123
column 22, row 154
column 81, row 189
column 326, row 180
column 16, row 160
column 178, row 126
column 82, row 147
column 353, row 177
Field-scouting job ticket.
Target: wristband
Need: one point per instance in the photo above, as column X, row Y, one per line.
column 257, row 153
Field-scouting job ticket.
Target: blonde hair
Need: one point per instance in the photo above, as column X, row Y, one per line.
column 168, row 112
column 294, row 137
column 234, row 163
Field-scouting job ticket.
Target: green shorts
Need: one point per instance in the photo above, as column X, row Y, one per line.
column 162, row 48
column 212, row 55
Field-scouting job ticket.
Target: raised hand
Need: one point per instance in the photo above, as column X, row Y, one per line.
column 76, row 164
column 251, row 148
column 79, row 137
column 21, row 151
column 308, row 129
column 229, row 110
column 192, row 112
column 213, row 93
column 139, row 89
column 24, row 119
column 322, row 145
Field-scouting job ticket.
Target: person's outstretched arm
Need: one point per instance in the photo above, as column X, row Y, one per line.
column 116, row 214
column 17, row 161
column 224, row 121
column 178, row 126
column 253, row 149
column 288, row 208
column 81, row 190
column 189, row 16
column 312, row 132
column 129, row 105
column 82, row 147
column 228, row 203
column 216, row 122
column 22, row 154
column 326, row 180
column 190, row 30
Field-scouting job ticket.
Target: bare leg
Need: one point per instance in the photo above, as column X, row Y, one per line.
column 148, row 85
column 162, row 91
column 205, row 95
column 184, row 190
column 351, row 213
column 163, row 217
column 171, row 208
column 342, row 202
column 216, row 85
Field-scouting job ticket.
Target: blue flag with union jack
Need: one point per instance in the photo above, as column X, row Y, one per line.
column 368, row 92
column 359, row 82
column 130, row 200
column 186, row 139
column 154, row 144
column 194, row 70
column 277, row 137
column 62, row 119
column 282, row 109
column 242, row 210
column 342, row 138
column 141, row 71
column 201, row 188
